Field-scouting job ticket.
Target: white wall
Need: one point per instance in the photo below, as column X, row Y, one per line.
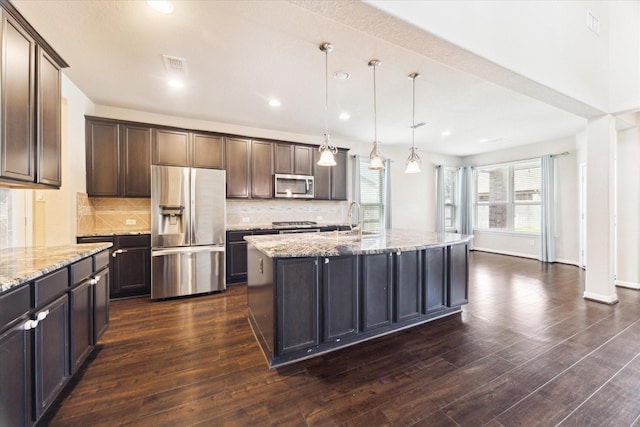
column 567, row 203
column 628, row 208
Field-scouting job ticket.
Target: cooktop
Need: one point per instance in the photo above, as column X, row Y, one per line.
column 293, row 223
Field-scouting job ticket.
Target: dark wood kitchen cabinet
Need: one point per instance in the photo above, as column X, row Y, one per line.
column 435, row 274
column 297, row 304
column 339, row 297
column 407, row 286
column 377, row 296
column 171, row 147
column 238, row 166
column 131, row 257
column 458, row 274
column 236, row 256
column 29, row 105
column 293, row 159
column 207, row 151
column 118, row 159
column 331, row 181
column 81, row 305
column 283, row 158
column 261, row 170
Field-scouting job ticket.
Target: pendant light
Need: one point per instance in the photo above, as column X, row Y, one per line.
column 327, row 149
column 375, row 157
column 413, row 162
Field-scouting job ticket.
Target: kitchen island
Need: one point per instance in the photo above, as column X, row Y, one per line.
column 313, row 293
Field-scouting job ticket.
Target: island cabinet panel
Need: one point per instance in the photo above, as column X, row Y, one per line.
column 208, row 151
column 408, row 285
column 377, row 279
column 51, row 349
column 339, row 297
column 15, row 376
column 238, row 156
column 297, row 304
column 435, row 283
column 458, row 262
column 261, row 170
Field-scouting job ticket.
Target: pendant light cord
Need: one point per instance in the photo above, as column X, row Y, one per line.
column 413, row 118
column 326, row 92
column 375, row 109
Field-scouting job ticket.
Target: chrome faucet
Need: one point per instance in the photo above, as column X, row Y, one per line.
column 349, row 214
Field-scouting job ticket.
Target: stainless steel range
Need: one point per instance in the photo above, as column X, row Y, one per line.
column 296, row 226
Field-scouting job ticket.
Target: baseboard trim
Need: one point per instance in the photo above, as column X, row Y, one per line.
column 628, row 285
column 568, row 262
column 605, row 299
column 494, row 251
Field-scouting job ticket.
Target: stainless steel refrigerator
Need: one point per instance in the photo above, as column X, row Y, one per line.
column 188, row 225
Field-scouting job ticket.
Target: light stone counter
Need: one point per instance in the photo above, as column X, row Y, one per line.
column 350, row 243
column 23, row 264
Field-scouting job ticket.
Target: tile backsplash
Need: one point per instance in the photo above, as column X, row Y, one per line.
column 260, row 212
column 106, row 215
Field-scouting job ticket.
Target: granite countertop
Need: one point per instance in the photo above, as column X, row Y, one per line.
column 269, row 226
column 23, row 264
column 334, row 243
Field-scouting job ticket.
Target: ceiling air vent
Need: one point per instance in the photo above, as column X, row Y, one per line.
column 175, row 66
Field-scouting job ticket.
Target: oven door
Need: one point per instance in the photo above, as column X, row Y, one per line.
column 300, row 230
column 294, row 186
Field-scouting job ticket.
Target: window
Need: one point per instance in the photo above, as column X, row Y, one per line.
column 372, row 196
column 450, row 199
column 508, row 197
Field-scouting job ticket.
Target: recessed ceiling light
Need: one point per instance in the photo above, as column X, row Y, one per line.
column 162, row 6
column 274, row 103
column 175, row 83
column 446, row 132
column 483, row 140
column 341, row 75
column 344, row 116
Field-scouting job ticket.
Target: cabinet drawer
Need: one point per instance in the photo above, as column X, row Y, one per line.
column 50, row 287
column 100, row 260
column 81, row 270
column 132, row 241
column 237, row 236
column 13, row 305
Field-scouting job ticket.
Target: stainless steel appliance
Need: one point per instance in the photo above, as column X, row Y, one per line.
column 188, row 222
column 294, row 186
column 287, row 227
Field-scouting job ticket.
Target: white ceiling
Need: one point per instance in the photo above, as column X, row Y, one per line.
column 241, row 53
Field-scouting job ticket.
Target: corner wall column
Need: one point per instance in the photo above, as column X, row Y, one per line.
column 601, row 170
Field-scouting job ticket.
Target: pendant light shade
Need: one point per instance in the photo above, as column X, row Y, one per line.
column 327, row 149
column 375, row 157
column 413, row 162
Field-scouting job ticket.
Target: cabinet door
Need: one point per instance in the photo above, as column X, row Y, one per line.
column 408, row 285
column 303, row 160
column 100, row 304
column 49, row 110
column 17, row 139
column 103, row 158
column 297, row 304
column 170, row 147
column 238, row 153
column 339, row 176
column 435, row 277
column 131, row 272
column 15, row 377
column 237, row 262
column 283, row 158
column 136, row 161
column 322, row 178
column 208, row 151
column 51, row 353
column 339, row 297
column 376, row 290
column 261, row 170
column 81, row 303
column 458, row 263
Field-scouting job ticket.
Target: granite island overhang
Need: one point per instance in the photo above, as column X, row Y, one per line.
column 312, row 293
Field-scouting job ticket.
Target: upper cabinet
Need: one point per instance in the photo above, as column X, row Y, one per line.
column 331, row 181
column 118, row 159
column 183, row 148
column 238, row 154
column 293, row 159
column 30, row 99
column 261, row 170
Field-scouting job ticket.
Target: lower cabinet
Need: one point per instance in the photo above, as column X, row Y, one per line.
column 376, row 290
column 81, row 303
column 51, row 367
column 297, row 303
column 131, row 257
column 435, row 272
column 100, row 304
column 407, row 285
column 339, row 297
column 15, row 375
column 458, row 263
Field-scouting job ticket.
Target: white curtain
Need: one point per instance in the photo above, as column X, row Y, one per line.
column 465, row 201
column 547, row 210
column 439, row 199
column 387, row 194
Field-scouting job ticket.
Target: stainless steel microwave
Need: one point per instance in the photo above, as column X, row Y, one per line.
column 294, row 186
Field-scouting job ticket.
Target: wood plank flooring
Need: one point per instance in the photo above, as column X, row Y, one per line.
column 527, row 351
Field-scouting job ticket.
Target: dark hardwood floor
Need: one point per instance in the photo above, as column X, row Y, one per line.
column 527, row 351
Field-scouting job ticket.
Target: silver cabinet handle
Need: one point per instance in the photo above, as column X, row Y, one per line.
column 29, row 324
column 42, row 315
column 119, row 251
column 326, row 260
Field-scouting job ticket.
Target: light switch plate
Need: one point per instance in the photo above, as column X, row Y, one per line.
column 245, row 219
column 130, row 221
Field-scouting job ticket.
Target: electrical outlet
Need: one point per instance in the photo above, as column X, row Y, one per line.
column 245, row 219
column 39, row 196
column 130, row 221
column 319, row 218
